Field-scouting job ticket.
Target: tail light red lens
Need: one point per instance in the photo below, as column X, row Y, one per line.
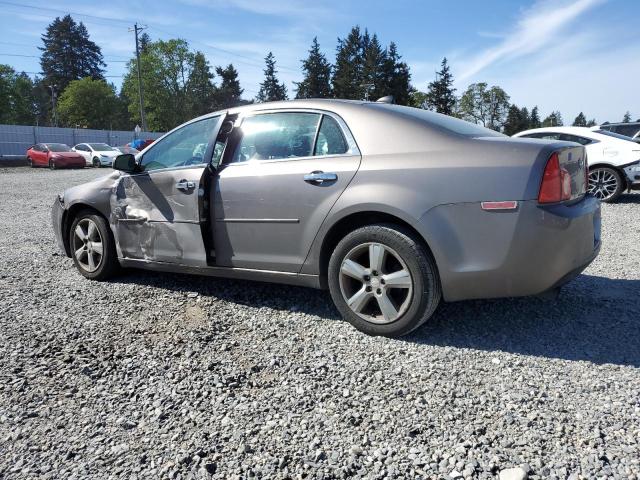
column 556, row 182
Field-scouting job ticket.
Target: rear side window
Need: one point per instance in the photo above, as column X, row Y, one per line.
column 627, row 130
column 330, row 138
column 274, row 136
column 575, row 138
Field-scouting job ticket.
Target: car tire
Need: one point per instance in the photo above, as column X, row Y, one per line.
column 30, row 162
column 88, row 230
column 96, row 162
column 391, row 296
column 52, row 164
column 605, row 183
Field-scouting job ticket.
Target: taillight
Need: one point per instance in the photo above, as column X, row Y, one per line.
column 556, row 182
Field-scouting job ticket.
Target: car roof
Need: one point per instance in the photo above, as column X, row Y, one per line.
column 587, row 132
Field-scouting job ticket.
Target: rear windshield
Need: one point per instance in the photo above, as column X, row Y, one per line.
column 58, row 147
column 445, row 122
column 101, row 147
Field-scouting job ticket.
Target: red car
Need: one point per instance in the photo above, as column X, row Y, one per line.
column 54, row 155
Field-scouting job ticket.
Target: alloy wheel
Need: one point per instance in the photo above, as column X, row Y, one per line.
column 88, row 245
column 603, row 183
column 376, row 283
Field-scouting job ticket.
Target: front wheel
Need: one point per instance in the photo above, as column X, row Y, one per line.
column 92, row 246
column 383, row 280
column 605, row 183
column 96, row 163
column 30, row 162
column 52, row 164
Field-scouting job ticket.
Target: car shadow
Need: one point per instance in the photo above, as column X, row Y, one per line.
column 629, row 198
column 595, row 319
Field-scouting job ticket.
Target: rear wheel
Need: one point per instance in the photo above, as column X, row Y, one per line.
column 96, row 162
column 605, row 183
column 383, row 280
column 92, row 246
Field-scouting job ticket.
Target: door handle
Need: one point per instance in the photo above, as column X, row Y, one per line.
column 319, row 177
column 185, row 185
column 133, row 219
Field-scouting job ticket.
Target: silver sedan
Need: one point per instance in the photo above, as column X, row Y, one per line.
column 391, row 208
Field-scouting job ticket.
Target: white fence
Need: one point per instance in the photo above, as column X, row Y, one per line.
column 16, row 139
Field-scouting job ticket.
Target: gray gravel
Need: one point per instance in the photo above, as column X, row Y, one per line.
column 171, row 376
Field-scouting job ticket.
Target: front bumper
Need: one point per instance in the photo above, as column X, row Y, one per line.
column 106, row 162
column 511, row 253
column 57, row 222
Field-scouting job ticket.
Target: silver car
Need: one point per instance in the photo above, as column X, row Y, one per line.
column 391, row 208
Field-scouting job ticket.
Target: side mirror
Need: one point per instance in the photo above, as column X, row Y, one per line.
column 126, row 163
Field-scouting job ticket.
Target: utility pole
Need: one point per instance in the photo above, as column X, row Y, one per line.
column 53, row 102
column 137, row 29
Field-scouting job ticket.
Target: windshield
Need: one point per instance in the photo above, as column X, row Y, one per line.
column 101, row 147
column 58, row 147
column 614, row 135
column 446, row 122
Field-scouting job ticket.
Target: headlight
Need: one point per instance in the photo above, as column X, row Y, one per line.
column 104, row 156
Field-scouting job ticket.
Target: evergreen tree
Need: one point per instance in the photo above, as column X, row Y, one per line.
column 143, row 42
column 591, row 123
column 517, row 120
column 553, row 120
column 580, row 120
column 627, row 117
column 228, row 93
column 317, row 75
column 200, row 88
column 271, row 89
column 396, row 78
column 534, row 119
column 347, row 76
column 441, row 94
column 42, row 102
column 68, row 53
column 377, row 70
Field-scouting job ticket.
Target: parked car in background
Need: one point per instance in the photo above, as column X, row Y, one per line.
column 614, row 161
column 629, row 129
column 392, row 208
column 140, row 144
column 127, row 149
column 97, row 154
column 53, row 155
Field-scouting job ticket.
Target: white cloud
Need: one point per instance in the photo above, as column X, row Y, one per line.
column 537, row 28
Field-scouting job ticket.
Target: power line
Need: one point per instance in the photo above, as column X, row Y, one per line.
column 39, row 7
column 38, row 56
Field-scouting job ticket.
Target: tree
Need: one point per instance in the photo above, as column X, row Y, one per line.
column 143, row 42
column 419, row 100
column 534, row 119
column 377, row 70
column 627, row 117
column 396, row 78
column 591, row 123
column 229, row 93
column 487, row 106
column 68, row 53
column 17, row 103
column 317, row 75
column 271, row 89
column 517, row 120
column 441, row 94
column 200, row 88
column 553, row 120
column 347, row 75
column 88, row 103
column 166, row 69
column 580, row 120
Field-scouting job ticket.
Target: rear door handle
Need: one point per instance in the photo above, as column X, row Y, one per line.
column 185, row 185
column 319, row 177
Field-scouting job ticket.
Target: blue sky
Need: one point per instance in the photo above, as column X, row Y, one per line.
column 571, row 55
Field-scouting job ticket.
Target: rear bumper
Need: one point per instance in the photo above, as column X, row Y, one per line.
column 511, row 253
column 632, row 171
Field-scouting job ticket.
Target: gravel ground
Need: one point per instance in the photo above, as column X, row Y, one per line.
column 171, row 376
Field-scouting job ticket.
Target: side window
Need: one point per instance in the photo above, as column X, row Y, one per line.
column 575, row 138
column 183, row 147
column 330, row 138
column 550, row 136
column 272, row 136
